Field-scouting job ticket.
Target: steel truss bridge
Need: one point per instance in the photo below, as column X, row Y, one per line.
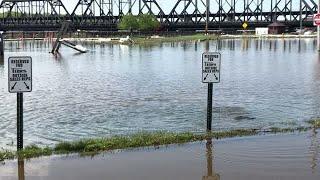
column 103, row 15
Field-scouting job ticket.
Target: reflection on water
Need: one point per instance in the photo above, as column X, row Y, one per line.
column 283, row 156
column 314, row 150
column 244, row 45
column 21, row 175
column 283, row 45
column 1, row 61
column 117, row 89
column 211, row 174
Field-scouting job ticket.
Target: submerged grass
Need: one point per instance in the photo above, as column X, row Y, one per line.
column 315, row 123
column 195, row 37
column 142, row 139
column 288, row 130
column 142, row 40
column 6, row 155
column 33, row 151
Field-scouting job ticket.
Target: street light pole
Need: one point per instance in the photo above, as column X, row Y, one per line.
column 207, row 15
column 300, row 17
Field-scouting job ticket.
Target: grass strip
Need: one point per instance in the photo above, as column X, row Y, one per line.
column 198, row 37
column 315, row 123
column 142, row 139
column 147, row 40
column 5, row 154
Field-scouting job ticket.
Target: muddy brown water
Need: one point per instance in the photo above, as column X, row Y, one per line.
column 289, row 156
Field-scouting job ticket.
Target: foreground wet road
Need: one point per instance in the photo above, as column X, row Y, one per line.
column 289, row 156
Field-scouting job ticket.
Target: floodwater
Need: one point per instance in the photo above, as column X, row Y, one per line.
column 285, row 157
column 119, row 89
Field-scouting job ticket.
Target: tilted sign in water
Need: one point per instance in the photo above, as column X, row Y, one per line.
column 20, row 74
column 211, row 63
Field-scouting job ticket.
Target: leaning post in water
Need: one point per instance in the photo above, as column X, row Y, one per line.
column 211, row 63
column 19, row 81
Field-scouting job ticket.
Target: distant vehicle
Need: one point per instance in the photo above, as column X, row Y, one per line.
column 299, row 31
column 304, row 31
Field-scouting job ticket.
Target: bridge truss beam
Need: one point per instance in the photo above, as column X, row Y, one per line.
column 105, row 14
column 24, row 13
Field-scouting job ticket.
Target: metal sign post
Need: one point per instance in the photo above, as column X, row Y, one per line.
column 211, row 63
column 209, row 107
column 207, row 16
column 19, row 121
column 19, row 81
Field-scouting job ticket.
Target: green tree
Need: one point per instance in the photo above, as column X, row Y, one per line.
column 128, row 22
column 147, row 22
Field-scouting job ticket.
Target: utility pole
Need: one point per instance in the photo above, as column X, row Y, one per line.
column 300, row 17
column 207, row 15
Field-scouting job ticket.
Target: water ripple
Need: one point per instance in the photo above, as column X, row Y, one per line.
column 118, row 89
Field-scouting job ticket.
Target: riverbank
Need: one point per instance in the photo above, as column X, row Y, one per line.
column 143, row 139
column 284, row 156
column 161, row 39
column 145, row 40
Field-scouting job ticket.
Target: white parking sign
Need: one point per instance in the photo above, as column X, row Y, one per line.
column 211, row 63
column 20, row 74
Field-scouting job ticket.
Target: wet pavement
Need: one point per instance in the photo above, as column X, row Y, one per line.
column 282, row 156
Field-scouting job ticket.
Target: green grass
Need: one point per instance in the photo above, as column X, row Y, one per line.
column 195, row 37
column 6, row 155
column 315, row 123
column 142, row 139
column 33, row 151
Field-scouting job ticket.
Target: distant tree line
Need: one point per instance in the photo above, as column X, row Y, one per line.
column 142, row 22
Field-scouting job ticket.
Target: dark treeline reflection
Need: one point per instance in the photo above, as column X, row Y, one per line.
column 245, row 44
column 1, row 60
column 284, row 45
column 314, row 150
column 28, row 45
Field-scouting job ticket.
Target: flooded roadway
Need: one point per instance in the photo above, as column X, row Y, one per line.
column 285, row 157
column 119, row 89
